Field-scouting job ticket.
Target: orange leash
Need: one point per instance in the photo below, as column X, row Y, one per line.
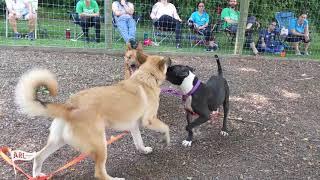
column 74, row 161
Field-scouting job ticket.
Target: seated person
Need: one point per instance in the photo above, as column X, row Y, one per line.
column 231, row 16
column 199, row 20
column 123, row 16
column 88, row 11
column 21, row 9
column 299, row 32
column 164, row 15
column 269, row 39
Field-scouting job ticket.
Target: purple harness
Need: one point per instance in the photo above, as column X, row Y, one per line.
column 179, row 93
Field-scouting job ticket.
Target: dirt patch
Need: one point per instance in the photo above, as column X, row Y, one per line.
column 274, row 120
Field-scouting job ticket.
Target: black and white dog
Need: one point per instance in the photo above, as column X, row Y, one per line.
column 200, row 98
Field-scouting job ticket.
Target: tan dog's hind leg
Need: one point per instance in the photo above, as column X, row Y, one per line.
column 55, row 141
column 159, row 126
column 138, row 142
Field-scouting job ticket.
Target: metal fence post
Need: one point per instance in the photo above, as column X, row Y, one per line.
column 108, row 23
column 240, row 39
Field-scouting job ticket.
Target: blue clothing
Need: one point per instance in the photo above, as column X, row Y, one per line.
column 198, row 19
column 127, row 28
column 299, row 28
column 273, row 44
column 125, row 23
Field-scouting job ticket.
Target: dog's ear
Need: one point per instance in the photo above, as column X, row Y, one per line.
column 141, row 57
column 166, row 61
column 129, row 47
column 139, row 47
column 191, row 68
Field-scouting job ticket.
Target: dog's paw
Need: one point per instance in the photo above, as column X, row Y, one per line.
column 224, row 133
column 39, row 175
column 146, row 150
column 186, row 143
column 116, row 178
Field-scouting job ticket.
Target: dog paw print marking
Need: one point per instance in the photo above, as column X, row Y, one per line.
column 186, row 143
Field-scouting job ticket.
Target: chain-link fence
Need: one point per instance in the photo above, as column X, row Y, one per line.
column 59, row 25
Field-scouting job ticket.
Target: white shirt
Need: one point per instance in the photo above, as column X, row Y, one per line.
column 159, row 9
column 16, row 5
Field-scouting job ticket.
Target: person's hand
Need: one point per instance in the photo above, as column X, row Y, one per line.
column 123, row 2
column 306, row 37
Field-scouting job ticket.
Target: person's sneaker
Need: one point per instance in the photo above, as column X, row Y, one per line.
column 212, row 48
column 17, row 35
column 87, row 39
column 178, row 46
column 31, row 36
column 97, row 40
column 133, row 43
column 298, row 53
column 209, row 49
column 306, row 53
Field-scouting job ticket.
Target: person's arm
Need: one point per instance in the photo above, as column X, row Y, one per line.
column 175, row 13
column 10, row 7
column 96, row 9
column 206, row 24
column 79, row 9
column 226, row 17
column 129, row 8
column 306, row 31
column 153, row 14
column 292, row 28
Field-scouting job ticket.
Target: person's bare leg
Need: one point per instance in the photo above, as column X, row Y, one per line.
column 13, row 22
column 306, row 46
column 254, row 49
column 32, row 23
column 296, row 47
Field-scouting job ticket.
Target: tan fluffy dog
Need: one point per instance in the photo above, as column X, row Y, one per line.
column 131, row 59
column 81, row 121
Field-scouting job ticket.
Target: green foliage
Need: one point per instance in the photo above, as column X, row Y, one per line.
column 264, row 10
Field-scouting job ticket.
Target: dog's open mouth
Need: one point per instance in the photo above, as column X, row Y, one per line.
column 133, row 68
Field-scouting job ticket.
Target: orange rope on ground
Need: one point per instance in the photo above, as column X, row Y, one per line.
column 74, row 161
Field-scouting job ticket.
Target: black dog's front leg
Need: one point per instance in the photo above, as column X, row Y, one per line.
column 200, row 120
column 190, row 133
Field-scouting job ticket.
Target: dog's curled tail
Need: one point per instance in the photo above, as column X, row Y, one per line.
column 26, row 94
column 219, row 65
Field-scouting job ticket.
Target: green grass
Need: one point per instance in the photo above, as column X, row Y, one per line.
column 55, row 37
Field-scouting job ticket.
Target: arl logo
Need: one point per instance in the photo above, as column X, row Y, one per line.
column 21, row 155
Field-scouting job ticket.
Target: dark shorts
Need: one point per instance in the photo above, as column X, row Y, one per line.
column 294, row 38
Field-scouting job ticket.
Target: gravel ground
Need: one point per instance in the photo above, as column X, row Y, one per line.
column 274, row 120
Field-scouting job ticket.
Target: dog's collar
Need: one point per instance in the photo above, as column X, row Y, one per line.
column 194, row 88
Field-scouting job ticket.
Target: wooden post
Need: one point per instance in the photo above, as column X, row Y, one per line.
column 240, row 39
column 108, row 23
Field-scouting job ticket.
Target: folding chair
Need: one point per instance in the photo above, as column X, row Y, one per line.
column 34, row 4
column 161, row 33
column 76, row 21
column 283, row 19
